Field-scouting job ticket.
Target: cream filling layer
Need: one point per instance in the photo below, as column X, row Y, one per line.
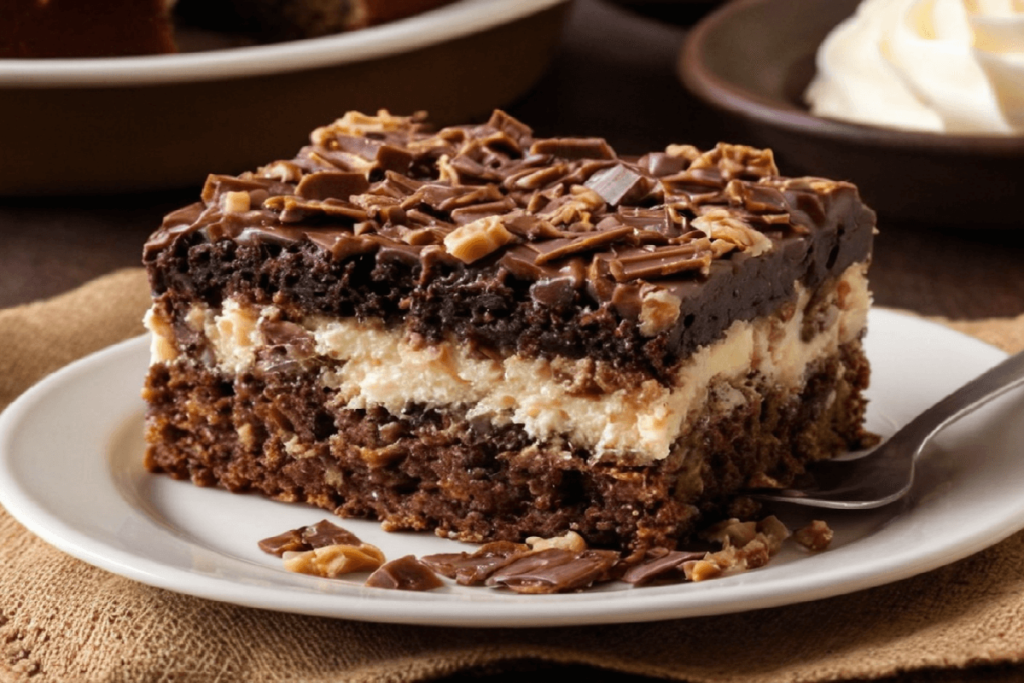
column 627, row 421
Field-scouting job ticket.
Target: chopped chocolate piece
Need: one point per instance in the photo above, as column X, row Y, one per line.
column 660, row 565
column 555, row 570
column 405, row 574
column 619, row 183
column 474, row 568
column 318, row 535
column 324, row 533
column 290, row 541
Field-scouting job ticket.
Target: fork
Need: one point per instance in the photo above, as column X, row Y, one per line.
column 886, row 474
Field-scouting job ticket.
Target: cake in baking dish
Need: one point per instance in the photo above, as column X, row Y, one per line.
column 118, row 28
column 493, row 335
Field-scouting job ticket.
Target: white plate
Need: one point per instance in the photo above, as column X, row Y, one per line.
column 70, row 471
column 446, row 23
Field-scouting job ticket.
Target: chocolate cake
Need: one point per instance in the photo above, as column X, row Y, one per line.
column 492, row 335
column 73, row 28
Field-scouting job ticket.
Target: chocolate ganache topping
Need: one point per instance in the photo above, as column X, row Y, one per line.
column 492, row 235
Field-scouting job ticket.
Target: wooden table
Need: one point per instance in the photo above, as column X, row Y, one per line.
column 614, row 77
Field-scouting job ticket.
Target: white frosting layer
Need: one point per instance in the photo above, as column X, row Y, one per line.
column 638, row 421
column 954, row 66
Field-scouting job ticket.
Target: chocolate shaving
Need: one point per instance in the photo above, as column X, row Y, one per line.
column 556, row 571
column 574, row 148
column 647, row 263
column 471, row 569
column 404, row 574
column 660, row 565
column 590, row 241
column 328, row 184
column 319, row 535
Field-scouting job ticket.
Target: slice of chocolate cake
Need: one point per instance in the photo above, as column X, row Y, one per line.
column 493, row 336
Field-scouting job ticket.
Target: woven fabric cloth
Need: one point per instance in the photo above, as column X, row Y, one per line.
column 61, row 619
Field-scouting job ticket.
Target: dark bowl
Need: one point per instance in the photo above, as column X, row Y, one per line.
column 681, row 12
column 753, row 60
column 120, row 124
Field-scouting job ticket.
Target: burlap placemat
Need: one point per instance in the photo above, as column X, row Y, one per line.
column 61, row 619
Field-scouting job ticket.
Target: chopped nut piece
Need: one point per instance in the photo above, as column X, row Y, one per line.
column 659, row 311
column 235, row 202
column 570, row 541
column 285, row 171
column 575, row 208
column 334, row 560
column 738, row 161
column 720, row 224
column 701, row 570
column 472, row 241
column 774, row 532
column 358, row 124
column 815, row 536
column 760, row 480
column 732, row 533
column 688, row 152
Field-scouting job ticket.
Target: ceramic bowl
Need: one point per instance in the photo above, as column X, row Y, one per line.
column 74, row 126
column 681, row 12
column 753, row 59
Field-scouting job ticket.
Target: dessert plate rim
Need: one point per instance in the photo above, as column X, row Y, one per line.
column 71, row 472
column 448, row 22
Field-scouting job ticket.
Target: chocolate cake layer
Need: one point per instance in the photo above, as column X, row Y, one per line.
column 520, row 245
column 436, row 470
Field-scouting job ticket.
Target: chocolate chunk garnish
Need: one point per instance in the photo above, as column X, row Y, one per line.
column 328, row 184
column 319, row 535
column 574, row 148
column 643, row 263
column 405, row 574
column 290, row 541
column 324, row 533
column 590, row 241
column 660, row 564
column 474, row 568
column 619, row 183
column 659, row 164
column 556, row 570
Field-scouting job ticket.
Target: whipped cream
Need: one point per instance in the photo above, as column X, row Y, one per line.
column 952, row 66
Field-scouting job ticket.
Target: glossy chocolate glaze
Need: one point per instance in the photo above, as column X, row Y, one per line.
column 365, row 222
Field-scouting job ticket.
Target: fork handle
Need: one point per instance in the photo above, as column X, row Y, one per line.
column 979, row 391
